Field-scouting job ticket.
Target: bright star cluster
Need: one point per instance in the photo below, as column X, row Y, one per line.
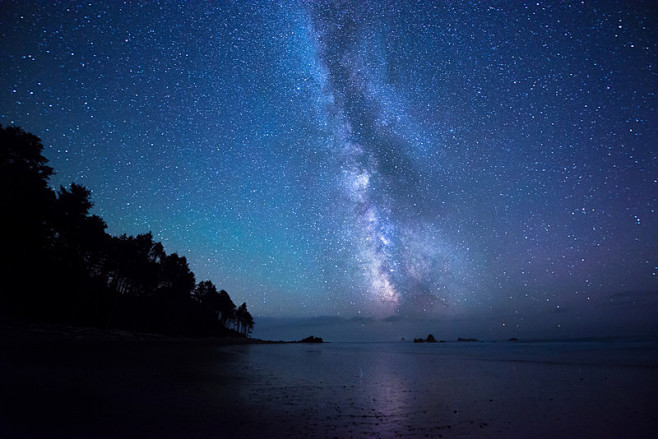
column 359, row 158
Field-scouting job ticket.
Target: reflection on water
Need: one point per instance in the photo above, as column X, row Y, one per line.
column 431, row 389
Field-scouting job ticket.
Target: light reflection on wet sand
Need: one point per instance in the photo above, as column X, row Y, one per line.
column 395, row 390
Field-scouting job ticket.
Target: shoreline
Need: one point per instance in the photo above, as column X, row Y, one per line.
column 47, row 332
column 63, row 382
column 44, row 332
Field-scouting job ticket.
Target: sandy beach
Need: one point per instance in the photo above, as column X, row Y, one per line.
column 114, row 386
column 56, row 386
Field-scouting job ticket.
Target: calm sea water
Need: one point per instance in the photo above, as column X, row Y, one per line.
column 508, row 389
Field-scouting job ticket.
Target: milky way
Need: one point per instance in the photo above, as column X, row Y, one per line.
column 399, row 259
column 374, row 159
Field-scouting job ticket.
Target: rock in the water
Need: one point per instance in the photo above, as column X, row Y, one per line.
column 312, row 339
column 430, row 339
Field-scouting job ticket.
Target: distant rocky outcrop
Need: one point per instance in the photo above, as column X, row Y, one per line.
column 430, row 339
column 467, row 339
column 312, row 339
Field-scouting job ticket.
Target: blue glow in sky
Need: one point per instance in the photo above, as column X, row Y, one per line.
column 421, row 160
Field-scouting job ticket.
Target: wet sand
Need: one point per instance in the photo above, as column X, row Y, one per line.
column 118, row 388
column 454, row 390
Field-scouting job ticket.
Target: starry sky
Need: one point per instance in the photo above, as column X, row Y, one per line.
column 377, row 162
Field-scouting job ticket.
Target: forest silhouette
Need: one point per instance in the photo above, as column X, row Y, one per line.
column 59, row 265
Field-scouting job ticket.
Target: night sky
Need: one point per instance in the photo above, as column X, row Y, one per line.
column 383, row 163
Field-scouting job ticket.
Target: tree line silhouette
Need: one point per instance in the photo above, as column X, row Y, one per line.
column 59, row 265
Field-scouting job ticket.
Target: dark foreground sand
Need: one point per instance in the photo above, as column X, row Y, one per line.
column 55, row 385
column 115, row 387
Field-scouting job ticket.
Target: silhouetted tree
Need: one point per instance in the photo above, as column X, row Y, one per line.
column 226, row 309
column 59, row 264
column 78, row 252
column 204, row 291
column 218, row 304
column 249, row 323
column 176, row 279
column 244, row 320
column 25, row 198
column 25, row 229
column 74, row 203
column 22, row 163
column 136, row 266
column 75, row 228
column 206, row 294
